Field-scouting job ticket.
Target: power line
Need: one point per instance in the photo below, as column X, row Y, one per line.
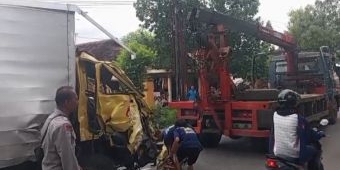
column 90, row 2
column 90, row 38
column 94, row 3
column 102, row 6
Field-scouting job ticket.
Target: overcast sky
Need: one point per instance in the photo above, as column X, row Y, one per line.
column 121, row 19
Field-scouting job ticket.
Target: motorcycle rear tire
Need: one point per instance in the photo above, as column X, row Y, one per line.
column 321, row 167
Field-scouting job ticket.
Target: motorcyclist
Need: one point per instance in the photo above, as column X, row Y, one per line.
column 291, row 136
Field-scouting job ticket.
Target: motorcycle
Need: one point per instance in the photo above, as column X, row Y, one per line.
column 280, row 163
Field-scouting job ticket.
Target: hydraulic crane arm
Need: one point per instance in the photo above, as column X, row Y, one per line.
column 285, row 41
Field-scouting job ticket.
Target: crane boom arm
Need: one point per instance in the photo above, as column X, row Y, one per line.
column 285, row 41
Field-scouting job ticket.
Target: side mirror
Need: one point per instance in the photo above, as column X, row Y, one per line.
column 324, row 122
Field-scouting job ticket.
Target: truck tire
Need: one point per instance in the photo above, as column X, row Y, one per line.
column 97, row 162
column 210, row 139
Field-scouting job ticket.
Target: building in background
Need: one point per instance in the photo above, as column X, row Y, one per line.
column 103, row 50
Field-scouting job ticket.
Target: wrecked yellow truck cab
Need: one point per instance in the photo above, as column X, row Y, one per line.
column 113, row 121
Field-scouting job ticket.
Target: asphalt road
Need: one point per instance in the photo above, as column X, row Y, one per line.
column 231, row 154
column 242, row 154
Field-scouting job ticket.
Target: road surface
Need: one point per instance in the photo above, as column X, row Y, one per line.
column 241, row 154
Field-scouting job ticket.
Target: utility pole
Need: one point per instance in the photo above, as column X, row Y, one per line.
column 178, row 52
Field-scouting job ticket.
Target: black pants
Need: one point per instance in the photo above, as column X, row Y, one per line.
column 190, row 153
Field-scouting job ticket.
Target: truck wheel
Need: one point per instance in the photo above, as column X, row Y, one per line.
column 210, row 139
column 97, row 162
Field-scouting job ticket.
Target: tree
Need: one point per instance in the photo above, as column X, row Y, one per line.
column 156, row 16
column 244, row 9
column 316, row 25
column 245, row 47
column 141, row 42
column 141, row 36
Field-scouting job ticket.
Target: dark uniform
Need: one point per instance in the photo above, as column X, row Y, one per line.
column 168, row 136
column 190, row 146
column 59, row 143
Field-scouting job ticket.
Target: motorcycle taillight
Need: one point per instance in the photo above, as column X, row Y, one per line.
column 272, row 163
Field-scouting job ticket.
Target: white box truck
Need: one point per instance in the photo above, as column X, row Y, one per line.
column 37, row 55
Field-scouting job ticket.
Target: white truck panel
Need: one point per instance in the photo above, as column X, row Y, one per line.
column 37, row 55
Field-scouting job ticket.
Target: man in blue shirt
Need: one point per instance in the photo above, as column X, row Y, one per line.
column 192, row 94
column 186, row 143
column 168, row 136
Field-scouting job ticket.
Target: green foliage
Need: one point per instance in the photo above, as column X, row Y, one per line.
column 141, row 42
column 141, row 36
column 316, row 25
column 245, row 47
column 261, row 66
column 156, row 16
column 164, row 116
column 242, row 9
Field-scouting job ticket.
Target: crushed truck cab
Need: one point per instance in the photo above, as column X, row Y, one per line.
column 112, row 115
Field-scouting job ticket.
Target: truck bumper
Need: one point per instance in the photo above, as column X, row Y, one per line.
column 247, row 133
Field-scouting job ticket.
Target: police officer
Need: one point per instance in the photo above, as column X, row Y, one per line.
column 59, row 138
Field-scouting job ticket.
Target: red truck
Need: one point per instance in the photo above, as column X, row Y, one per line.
column 248, row 113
